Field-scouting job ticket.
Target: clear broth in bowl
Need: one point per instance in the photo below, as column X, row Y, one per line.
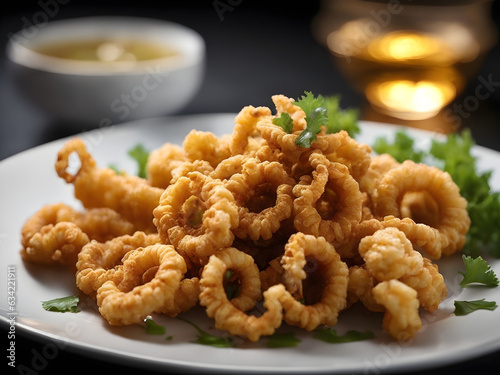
column 103, row 50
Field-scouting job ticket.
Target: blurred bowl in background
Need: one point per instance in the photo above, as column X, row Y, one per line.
column 102, row 70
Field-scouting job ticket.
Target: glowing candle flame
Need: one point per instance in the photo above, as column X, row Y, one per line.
column 411, row 99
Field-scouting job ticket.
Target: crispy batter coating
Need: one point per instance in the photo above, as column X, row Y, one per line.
column 338, row 209
column 260, row 214
column 199, row 145
column 48, row 237
column 334, row 276
column 429, row 284
column 197, row 215
column 245, row 128
column 99, row 262
column 356, row 156
column 55, row 244
column 390, row 255
column 453, row 222
column 161, row 162
column 132, row 197
column 131, row 300
column 228, row 167
column 187, row 167
column 360, row 287
column 185, row 297
column 401, row 319
column 225, row 312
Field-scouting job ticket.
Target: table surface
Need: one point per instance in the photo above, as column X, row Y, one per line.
column 255, row 51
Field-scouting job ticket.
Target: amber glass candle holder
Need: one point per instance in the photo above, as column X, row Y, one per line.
column 408, row 58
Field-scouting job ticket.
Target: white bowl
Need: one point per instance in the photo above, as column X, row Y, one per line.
column 97, row 93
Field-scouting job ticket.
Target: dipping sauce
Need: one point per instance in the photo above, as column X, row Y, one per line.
column 102, row 50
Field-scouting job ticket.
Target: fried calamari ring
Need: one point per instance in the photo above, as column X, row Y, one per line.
column 197, row 215
column 161, row 162
column 244, row 269
column 99, row 262
column 333, row 274
column 132, row 197
column 245, row 127
column 44, row 240
column 356, row 156
column 338, row 214
column 349, row 249
column 388, row 254
column 186, row 167
column 185, row 297
column 226, row 314
column 401, row 319
column 228, row 167
column 429, row 284
column 451, row 226
column 260, row 214
column 55, row 244
column 131, row 301
column 199, row 145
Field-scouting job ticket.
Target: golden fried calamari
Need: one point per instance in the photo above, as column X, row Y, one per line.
column 131, row 301
column 99, row 262
column 132, row 197
column 332, row 274
column 230, row 314
column 401, row 318
column 449, row 227
column 260, row 213
column 161, row 162
column 256, row 229
column 57, row 232
column 197, row 215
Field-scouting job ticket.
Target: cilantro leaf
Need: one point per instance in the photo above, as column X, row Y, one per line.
column 282, row 340
column 477, row 270
column 330, row 336
column 339, row 119
column 63, row 304
column 140, row 155
column 284, row 121
column 401, row 149
column 204, row 338
column 153, row 328
column 466, row 307
column 316, row 116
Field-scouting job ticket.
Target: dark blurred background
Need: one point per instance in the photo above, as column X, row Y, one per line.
column 254, row 50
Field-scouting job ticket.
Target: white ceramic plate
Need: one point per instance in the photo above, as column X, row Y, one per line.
column 28, row 181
